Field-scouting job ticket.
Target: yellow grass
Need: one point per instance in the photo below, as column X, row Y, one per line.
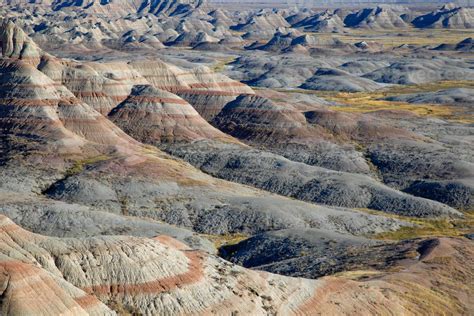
column 411, row 36
column 357, row 274
column 226, row 240
column 364, row 102
column 220, row 65
column 448, row 227
column 427, row 300
column 375, row 105
column 79, row 165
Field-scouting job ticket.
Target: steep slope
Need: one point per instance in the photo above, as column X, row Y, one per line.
column 16, row 44
column 265, row 21
column 448, row 16
column 154, row 116
column 381, row 17
column 34, row 107
column 466, row 45
column 286, row 41
column 68, row 171
column 157, row 275
column 326, row 21
column 106, row 85
column 80, row 147
column 120, row 7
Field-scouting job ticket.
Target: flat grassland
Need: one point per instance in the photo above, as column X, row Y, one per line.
column 398, row 37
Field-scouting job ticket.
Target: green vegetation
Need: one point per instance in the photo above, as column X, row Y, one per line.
column 220, row 66
column 79, row 165
column 394, row 38
column 364, row 102
column 447, row 227
column 226, row 239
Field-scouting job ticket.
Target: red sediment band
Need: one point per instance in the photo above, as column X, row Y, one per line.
column 25, row 59
column 99, row 120
column 216, row 84
column 168, row 75
column 30, row 85
column 194, row 274
column 250, row 110
column 9, row 228
column 39, row 102
column 20, row 270
column 321, row 294
column 112, row 82
column 206, row 92
column 87, row 301
column 185, row 117
column 149, row 99
column 99, row 94
column 169, row 241
column 16, row 266
column 31, row 121
column 87, row 94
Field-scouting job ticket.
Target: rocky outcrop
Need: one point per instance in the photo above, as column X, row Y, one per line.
column 448, row 16
column 122, row 7
column 155, row 275
column 55, row 115
column 466, row 45
column 338, row 80
column 16, row 44
column 266, row 21
column 286, row 41
column 326, row 21
column 381, row 17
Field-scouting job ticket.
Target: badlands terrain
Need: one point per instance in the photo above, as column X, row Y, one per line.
column 187, row 158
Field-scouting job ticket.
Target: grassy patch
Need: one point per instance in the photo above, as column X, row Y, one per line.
column 448, row 227
column 428, row 87
column 79, row 165
column 358, row 274
column 226, row 239
column 123, row 310
column 220, row 66
column 365, row 105
column 365, row 102
column 392, row 38
column 428, row 300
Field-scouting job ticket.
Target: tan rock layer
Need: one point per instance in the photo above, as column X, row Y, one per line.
column 51, row 271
